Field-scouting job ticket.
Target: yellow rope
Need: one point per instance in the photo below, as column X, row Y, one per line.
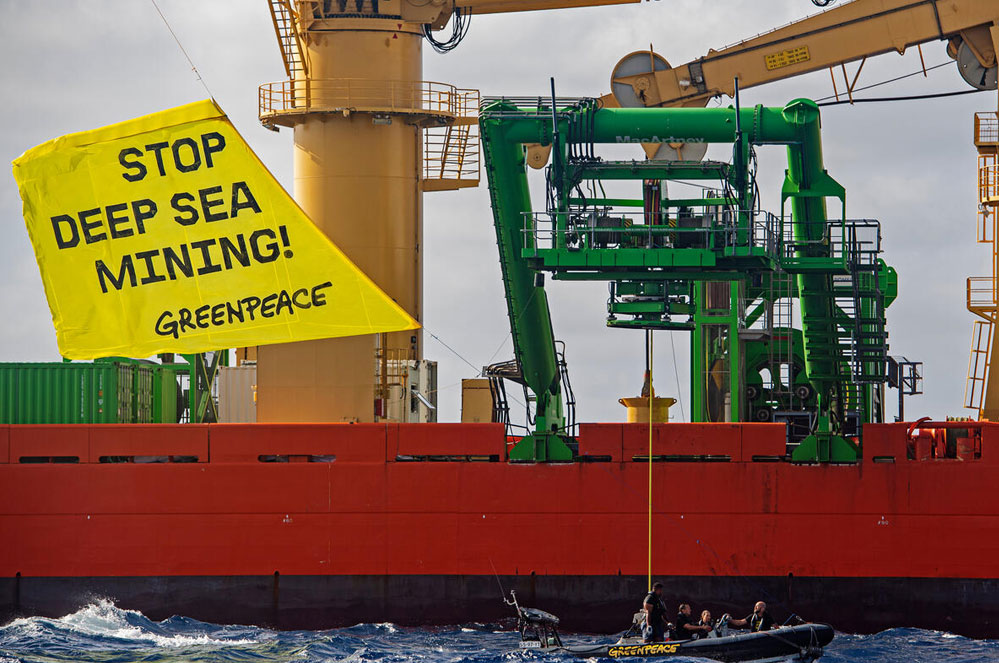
column 651, row 400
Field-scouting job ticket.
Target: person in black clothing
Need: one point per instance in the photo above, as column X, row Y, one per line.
column 655, row 614
column 686, row 627
column 706, row 622
column 758, row 620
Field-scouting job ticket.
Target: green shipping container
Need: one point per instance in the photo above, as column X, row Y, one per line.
column 166, row 390
column 102, row 392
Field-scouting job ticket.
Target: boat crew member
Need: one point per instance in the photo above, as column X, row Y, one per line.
column 707, row 624
column 759, row 620
column 655, row 614
column 686, row 627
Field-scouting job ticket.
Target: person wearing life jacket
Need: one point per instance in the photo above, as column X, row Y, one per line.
column 686, row 628
column 707, row 625
column 758, row 620
column 654, row 629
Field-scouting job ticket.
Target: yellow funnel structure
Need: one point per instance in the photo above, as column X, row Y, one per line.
column 638, row 409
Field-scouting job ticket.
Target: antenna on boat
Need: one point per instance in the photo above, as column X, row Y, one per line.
column 513, row 601
column 503, row 591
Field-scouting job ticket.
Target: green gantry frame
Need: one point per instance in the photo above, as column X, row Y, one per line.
column 694, row 264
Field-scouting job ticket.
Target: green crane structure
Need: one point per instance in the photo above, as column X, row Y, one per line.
column 715, row 265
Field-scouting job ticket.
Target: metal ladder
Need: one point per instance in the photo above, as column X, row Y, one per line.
column 451, row 155
column 978, row 365
column 285, row 19
column 780, row 323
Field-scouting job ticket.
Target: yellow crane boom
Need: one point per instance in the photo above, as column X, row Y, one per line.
column 436, row 13
column 848, row 33
column 497, row 6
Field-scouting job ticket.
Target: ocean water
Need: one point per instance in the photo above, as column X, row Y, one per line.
column 103, row 632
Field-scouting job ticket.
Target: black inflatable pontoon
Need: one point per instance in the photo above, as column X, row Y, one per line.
column 795, row 643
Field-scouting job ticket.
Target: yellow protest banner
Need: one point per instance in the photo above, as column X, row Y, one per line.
column 166, row 234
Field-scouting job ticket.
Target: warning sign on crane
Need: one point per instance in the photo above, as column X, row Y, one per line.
column 787, row 58
column 166, row 233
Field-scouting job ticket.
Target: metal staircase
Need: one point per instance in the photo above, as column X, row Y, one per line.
column 867, row 349
column 285, row 19
column 451, row 152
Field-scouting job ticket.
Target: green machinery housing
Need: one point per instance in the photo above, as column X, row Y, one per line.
column 786, row 310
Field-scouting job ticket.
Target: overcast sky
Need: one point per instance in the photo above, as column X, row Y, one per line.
column 76, row 65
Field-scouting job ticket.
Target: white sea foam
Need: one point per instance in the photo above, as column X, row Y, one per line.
column 104, row 619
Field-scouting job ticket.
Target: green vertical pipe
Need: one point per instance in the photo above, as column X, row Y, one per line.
column 805, row 169
column 527, row 302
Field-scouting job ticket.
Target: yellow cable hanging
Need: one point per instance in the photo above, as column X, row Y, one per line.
column 648, row 368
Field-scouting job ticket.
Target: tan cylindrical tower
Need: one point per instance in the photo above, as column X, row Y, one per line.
column 370, row 138
column 358, row 141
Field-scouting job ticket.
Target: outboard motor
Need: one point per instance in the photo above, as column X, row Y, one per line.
column 538, row 629
column 721, row 628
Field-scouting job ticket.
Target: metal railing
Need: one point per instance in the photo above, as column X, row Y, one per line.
column 356, row 94
column 451, row 156
column 600, row 230
column 981, row 294
column 986, row 128
column 988, row 180
column 532, row 106
column 853, row 242
column 986, row 224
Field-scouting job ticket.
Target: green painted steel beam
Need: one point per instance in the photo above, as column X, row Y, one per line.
column 639, row 308
column 608, row 202
column 647, row 276
column 527, row 302
column 646, row 258
column 665, row 203
column 666, row 325
column 658, row 125
column 657, row 172
column 698, row 202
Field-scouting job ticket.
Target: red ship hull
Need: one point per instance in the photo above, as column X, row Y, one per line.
column 416, row 523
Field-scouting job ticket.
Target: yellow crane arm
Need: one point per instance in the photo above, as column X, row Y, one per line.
column 498, row 6
column 436, row 13
column 854, row 31
column 292, row 18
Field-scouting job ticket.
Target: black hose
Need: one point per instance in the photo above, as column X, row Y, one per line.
column 918, row 97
